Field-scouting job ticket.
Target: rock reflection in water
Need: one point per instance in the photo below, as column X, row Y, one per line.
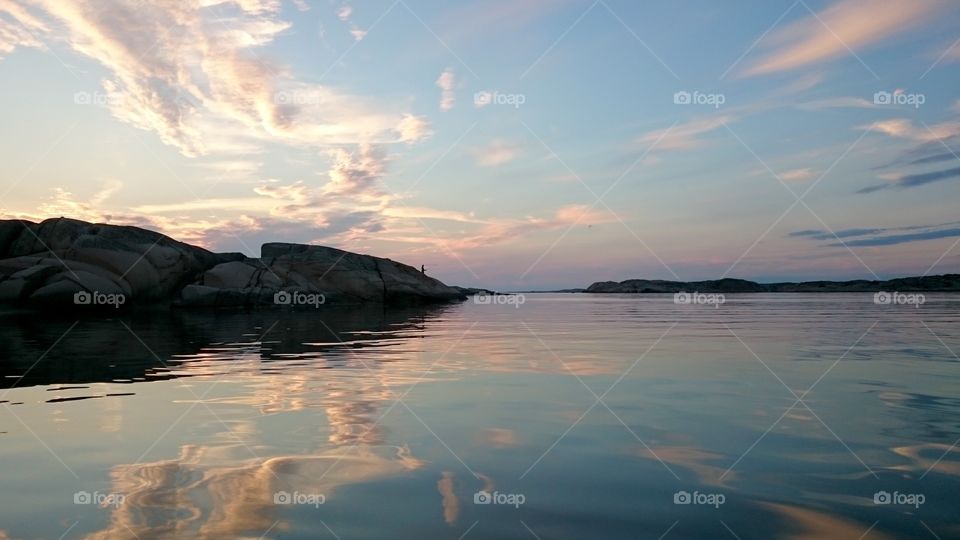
column 104, row 349
column 223, row 490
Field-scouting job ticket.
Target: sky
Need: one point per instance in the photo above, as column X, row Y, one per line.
column 518, row 145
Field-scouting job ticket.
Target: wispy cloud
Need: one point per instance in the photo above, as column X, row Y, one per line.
column 905, row 129
column 935, row 147
column 412, row 129
column 446, row 83
column 501, row 231
column 357, row 173
column 190, row 73
column 836, row 103
column 684, row 136
column 882, row 236
column 930, row 151
column 903, row 238
column 63, row 202
column 18, row 28
column 352, row 206
column 797, row 175
column 345, row 14
column 936, row 158
column 497, row 153
column 817, row 234
column 914, row 180
column 835, row 31
column 409, row 212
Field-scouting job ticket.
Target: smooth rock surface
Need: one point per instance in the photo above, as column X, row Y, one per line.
column 312, row 276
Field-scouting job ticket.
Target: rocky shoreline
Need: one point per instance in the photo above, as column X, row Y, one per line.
column 68, row 263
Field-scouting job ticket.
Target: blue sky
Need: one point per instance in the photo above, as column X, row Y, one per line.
column 534, row 144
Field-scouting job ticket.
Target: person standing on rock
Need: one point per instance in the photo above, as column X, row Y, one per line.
column 423, row 269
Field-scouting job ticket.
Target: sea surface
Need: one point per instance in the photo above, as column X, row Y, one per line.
column 564, row 416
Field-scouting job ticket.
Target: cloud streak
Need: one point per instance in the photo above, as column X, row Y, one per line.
column 835, row 31
column 881, row 236
column 903, row 128
column 685, row 136
column 498, row 152
column 914, row 180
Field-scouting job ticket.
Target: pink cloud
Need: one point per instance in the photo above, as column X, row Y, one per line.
column 846, row 25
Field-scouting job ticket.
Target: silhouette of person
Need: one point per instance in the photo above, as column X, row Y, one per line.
column 423, row 269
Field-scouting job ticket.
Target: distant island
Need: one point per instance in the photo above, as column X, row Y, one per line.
column 557, row 291
column 941, row 283
column 471, row 291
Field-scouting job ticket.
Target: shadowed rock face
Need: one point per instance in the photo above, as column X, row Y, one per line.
column 304, row 275
column 48, row 263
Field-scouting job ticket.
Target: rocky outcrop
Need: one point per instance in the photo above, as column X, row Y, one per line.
column 304, row 275
column 64, row 262
column 946, row 282
column 50, row 262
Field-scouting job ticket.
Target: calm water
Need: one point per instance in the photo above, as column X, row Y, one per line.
column 775, row 416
